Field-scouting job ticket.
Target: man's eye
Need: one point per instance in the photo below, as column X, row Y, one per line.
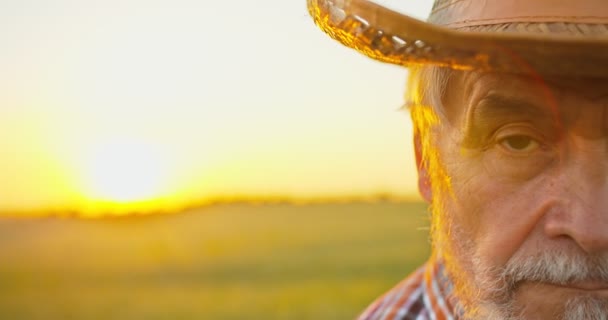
column 519, row 143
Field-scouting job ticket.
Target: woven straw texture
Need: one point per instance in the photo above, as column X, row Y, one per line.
column 573, row 49
column 561, row 28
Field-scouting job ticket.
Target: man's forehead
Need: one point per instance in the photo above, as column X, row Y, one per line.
column 466, row 89
column 475, row 82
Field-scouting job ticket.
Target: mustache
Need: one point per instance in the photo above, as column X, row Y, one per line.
column 556, row 267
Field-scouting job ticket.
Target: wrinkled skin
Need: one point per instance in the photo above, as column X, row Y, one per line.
column 528, row 166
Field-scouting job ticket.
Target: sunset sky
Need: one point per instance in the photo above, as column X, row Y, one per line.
column 164, row 102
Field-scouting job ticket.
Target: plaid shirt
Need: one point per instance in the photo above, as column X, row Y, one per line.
column 421, row 296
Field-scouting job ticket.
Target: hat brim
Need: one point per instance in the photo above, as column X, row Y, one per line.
column 391, row 37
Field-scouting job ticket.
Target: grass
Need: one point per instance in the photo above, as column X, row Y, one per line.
column 279, row 261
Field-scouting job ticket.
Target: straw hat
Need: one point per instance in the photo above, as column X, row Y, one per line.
column 555, row 37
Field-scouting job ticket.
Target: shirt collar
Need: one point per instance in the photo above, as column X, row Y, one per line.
column 439, row 298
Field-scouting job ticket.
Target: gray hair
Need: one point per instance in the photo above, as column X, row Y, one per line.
column 426, row 87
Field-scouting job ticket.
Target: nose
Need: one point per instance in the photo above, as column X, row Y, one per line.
column 583, row 212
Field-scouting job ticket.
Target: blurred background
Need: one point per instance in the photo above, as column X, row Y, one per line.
column 194, row 159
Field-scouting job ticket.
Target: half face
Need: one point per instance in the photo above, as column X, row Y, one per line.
column 527, row 161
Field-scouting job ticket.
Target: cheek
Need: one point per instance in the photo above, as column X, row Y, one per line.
column 498, row 214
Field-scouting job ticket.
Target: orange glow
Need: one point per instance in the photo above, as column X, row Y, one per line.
column 153, row 109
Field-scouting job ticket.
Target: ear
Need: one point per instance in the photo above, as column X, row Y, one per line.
column 424, row 181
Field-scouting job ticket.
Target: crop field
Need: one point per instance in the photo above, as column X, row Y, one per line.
column 280, row 261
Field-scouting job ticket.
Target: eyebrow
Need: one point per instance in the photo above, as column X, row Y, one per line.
column 496, row 110
column 495, row 106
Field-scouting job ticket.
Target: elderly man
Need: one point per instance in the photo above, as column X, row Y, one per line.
column 509, row 102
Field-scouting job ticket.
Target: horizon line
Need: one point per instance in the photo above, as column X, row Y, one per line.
column 200, row 204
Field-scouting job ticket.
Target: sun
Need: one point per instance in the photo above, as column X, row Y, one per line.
column 125, row 171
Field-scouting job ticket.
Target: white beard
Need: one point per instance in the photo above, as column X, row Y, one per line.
column 585, row 307
column 487, row 292
column 494, row 288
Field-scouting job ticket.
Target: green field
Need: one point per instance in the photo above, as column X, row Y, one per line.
column 223, row 262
